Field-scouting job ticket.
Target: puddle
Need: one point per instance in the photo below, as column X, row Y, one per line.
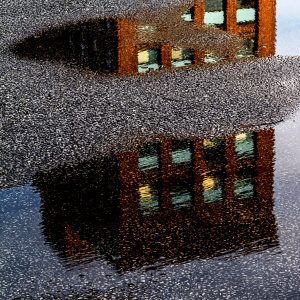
column 204, row 34
column 168, row 202
column 178, row 186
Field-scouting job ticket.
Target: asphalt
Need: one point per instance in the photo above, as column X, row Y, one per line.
column 52, row 114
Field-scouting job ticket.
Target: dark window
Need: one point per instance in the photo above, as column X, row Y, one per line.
column 181, row 195
column 244, row 186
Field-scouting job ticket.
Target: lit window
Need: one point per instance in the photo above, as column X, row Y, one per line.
column 212, row 189
column 148, row 60
column 149, row 199
column 245, row 145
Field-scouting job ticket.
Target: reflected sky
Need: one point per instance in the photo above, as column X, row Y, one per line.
column 288, row 27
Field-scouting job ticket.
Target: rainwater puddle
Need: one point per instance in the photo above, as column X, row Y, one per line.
column 184, row 36
column 210, row 216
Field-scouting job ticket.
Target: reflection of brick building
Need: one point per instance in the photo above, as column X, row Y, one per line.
column 253, row 20
column 174, row 200
column 114, row 45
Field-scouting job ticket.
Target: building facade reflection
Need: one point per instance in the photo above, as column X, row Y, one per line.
column 169, row 201
column 129, row 46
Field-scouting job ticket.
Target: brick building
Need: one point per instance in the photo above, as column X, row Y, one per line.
column 172, row 200
column 113, row 45
column 253, row 20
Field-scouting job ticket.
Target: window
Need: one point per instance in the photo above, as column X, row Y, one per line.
column 213, row 189
column 189, row 15
column 248, row 49
column 212, row 58
column 146, row 29
column 244, row 185
column 181, row 195
column 214, row 150
column 245, row 145
column 246, row 12
column 214, row 13
column 182, row 57
column 148, row 60
column 181, row 152
column 149, row 199
column 149, row 157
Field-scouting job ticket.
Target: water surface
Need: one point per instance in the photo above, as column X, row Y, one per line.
column 207, row 216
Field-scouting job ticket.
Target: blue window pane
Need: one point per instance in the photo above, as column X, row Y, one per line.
column 181, row 152
column 214, row 13
column 245, row 145
column 214, row 18
column 246, row 15
column 181, row 198
column 149, row 157
column 244, row 186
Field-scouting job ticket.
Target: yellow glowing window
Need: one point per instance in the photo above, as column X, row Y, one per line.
column 209, row 143
column 209, row 183
column 241, row 137
column 212, row 189
column 245, row 145
column 177, row 53
column 148, row 60
column 145, row 192
column 143, row 57
column 149, row 200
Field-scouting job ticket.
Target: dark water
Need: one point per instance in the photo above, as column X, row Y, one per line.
column 201, row 218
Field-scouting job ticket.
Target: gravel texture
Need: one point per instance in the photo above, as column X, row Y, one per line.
column 52, row 114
